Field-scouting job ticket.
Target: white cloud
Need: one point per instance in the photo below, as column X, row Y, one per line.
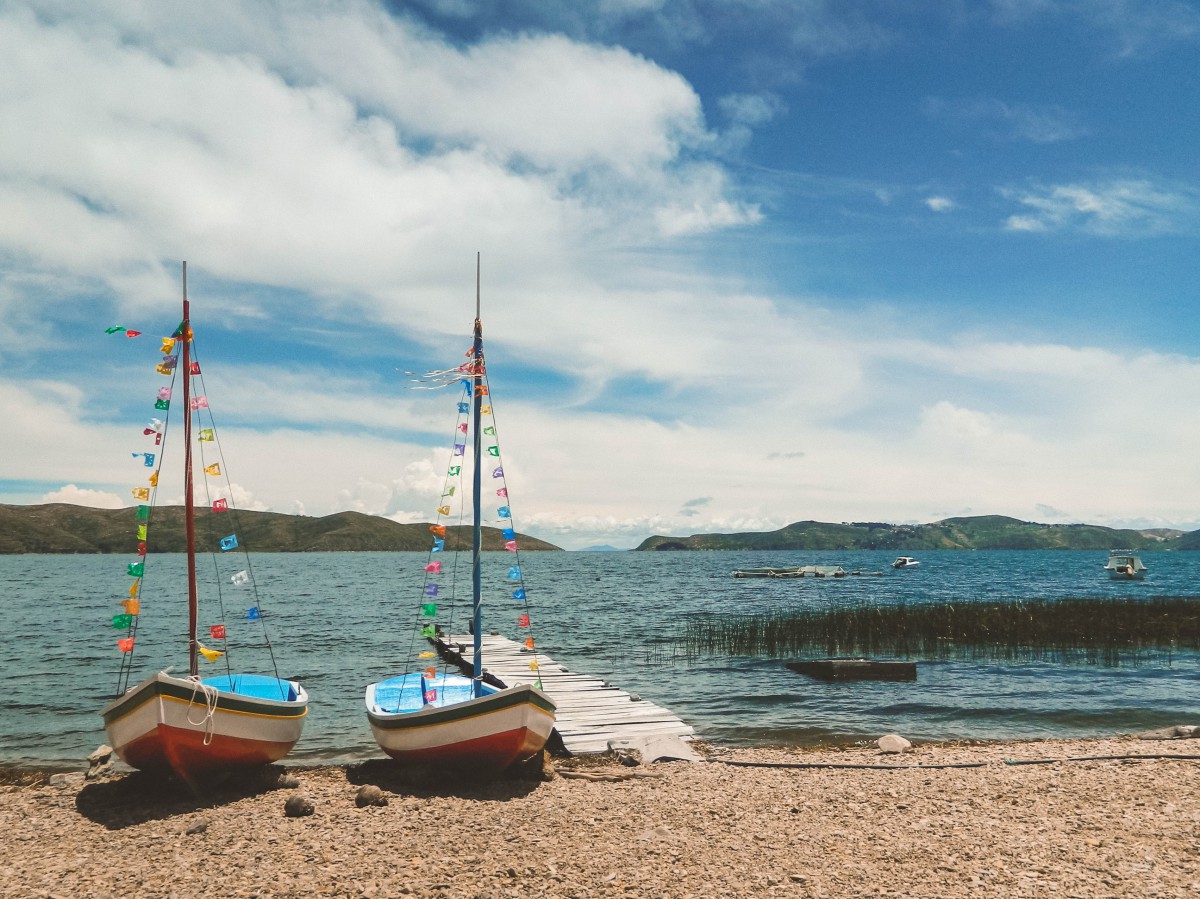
column 940, row 204
column 1112, row 209
column 81, row 496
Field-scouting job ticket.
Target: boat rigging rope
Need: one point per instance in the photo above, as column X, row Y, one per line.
column 210, row 704
column 860, row 767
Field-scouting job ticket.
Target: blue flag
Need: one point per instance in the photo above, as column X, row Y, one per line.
column 228, row 543
column 519, row 593
column 254, row 614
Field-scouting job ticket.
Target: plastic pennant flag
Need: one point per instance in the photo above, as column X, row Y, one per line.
column 529, row 642
column 429, row 610
column 129, row 332
column 434, row 567
column 459, row 449
column 142, row 514
column 429, row 631
column 481, row 390
column 430, row 673
column 426, row 655
column 123, row 622
column 163, row 369
column 430, row 695
column 153, row 480
column 438, row 545
column 511, row 545
column 508, row 534
column 485, row 410
column 133, row 591
column 164, row 393
column 141, row 532
column 463, row 427
column 443, row 510
column 169, row 362
column 493, row 451
column 438, row 530
column 519, row 593
column 514, row 573
column 490, row 431
column 210, row 654
column 431, row 589
column 240, row 578
column 136, row 569
column 254, row 614
column 497, row 472
column 454, row 471
column 114, row 329
column 194, row 368
column 141, row 548
column 206, row 435
column 217, row 631
column 504, row 512
column 141, row 492
column 449, row 492
column 199, row 402
column 502, row 492
column 162, row 405
column 214, row 469
column 522, row 621
column 533, row 665
column 125, row 645
column 147, row 458
column 228, row 543
column 464, row 408
column 220, row 505
column 168, row 344
column 131, row 606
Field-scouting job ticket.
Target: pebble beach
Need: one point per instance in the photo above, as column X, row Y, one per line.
column 1059, row 818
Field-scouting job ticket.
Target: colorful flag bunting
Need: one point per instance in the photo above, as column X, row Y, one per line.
column 170, row 361
column 529, row 642
column 113, row 330
column 430, row 695
column 509, row 534
column 163, row 369
column 522, row 621
column 141, row 548
column 481, row 390
column 485, row 410
column 141, row 532
column 497, row 472
column 194, row 368
column 133, row 588
column 217, row 631
column 162, row 405
column 168, row 344
column 141, row 492
column 443, row 510
column 142, row 514
column 463, row 427
column 228, row 543
column 464, row 408
column 519, row 593
column 425, row 655
column 438, row 545
column 493, row 451
column 434, row 567
column 220, row 505
column 533, row 666
column 514, row 573
column 502, row 492
column 430, row 673
column 211, row 654
column 136, row 569
column 164, row 393
column 490, row 431
column 431, row 589
column 240, row 578
column 206, row 435
column 148, row 458
column 254, row 614
column 510, row 545
column 214, row 469
column 199, row 402
column 438, row 530
column 428, row 631
column 504, row 512
column 125, row 645
column 459, row 449
column 122, row 622
column 454, row 471
column 131, row 606
column 129, row 332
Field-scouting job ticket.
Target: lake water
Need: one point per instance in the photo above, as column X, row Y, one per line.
column 339, row 621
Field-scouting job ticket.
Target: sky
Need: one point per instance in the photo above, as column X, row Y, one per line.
column 743, row 262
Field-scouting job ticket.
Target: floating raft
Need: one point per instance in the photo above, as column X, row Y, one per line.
column 592, row 713
column 855, row 669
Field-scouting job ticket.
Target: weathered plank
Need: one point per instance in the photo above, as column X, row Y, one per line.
column 591, row 711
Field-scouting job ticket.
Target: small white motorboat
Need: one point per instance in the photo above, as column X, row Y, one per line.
column 1124, row 565
column 905, row 562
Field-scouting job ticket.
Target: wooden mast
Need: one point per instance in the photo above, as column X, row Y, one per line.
column 185, row 333
column 477, row 531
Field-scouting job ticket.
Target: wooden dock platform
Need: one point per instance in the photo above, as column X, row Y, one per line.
column 592, row 713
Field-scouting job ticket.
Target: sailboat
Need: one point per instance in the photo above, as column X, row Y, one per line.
column 189, row 724
column 449, row 717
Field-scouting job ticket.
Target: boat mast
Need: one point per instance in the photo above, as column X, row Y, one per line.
column 185, row 331
column 477, row 531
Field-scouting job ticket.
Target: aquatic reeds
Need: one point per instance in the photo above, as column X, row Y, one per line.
column 1088, row 631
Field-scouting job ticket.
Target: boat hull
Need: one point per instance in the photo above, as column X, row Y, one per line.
column 173, row 723
column 489, row 732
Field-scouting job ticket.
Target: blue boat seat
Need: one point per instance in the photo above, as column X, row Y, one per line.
column 259, row 686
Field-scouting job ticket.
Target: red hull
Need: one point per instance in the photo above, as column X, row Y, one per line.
column 493, row 752
column 184, row 751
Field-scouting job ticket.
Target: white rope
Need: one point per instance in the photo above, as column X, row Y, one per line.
column 210, row 703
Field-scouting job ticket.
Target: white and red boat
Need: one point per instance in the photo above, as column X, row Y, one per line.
column 194, row 725
column 450, row 712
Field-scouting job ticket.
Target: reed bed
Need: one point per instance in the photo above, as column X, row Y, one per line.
column 1108, row 632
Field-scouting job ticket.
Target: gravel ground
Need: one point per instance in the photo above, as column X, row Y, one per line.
column 592, row 827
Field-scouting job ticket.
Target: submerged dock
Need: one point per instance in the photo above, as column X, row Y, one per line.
column 592, row 714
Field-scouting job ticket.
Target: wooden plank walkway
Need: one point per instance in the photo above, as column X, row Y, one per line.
column 591, row 711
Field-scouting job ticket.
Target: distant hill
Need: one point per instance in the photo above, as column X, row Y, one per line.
column 64, row 528
column 978, row 532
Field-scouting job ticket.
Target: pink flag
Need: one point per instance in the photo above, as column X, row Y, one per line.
column 434, row 567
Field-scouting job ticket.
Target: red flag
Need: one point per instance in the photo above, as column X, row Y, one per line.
column 129, row 333
column 217, row 631
column 125, row 645
column 220, row 505
column 438, row 530
column 194, row 368
column 522, row 621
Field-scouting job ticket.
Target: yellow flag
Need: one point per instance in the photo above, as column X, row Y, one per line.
column 425, row 655
column 485, row 410
column 533, row 666
column 211, row 654
column 131, row 606
column 443, row 510
column 168, row 345
column 214, row 469
column 154, row 479
column 133, row 589
column 141, row 492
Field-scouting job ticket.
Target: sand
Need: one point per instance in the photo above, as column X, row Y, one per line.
column 1114, row 827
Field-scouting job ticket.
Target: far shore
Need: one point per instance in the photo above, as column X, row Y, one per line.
column 1105, row 817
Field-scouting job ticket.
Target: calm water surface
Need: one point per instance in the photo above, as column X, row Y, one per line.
column 339, row 621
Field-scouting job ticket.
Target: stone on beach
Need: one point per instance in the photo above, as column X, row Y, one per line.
column 893, row 743
column 298, row 805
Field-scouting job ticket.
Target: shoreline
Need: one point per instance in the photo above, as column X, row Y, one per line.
column 1096, row 817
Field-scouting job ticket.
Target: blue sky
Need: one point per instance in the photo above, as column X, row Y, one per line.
column 744, row 262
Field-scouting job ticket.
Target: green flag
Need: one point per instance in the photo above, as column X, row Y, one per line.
column 143, row 513
column 122, row 622
column 429, row 609
column 428, row 631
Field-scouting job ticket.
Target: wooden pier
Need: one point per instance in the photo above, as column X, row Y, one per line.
column 593, row 715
